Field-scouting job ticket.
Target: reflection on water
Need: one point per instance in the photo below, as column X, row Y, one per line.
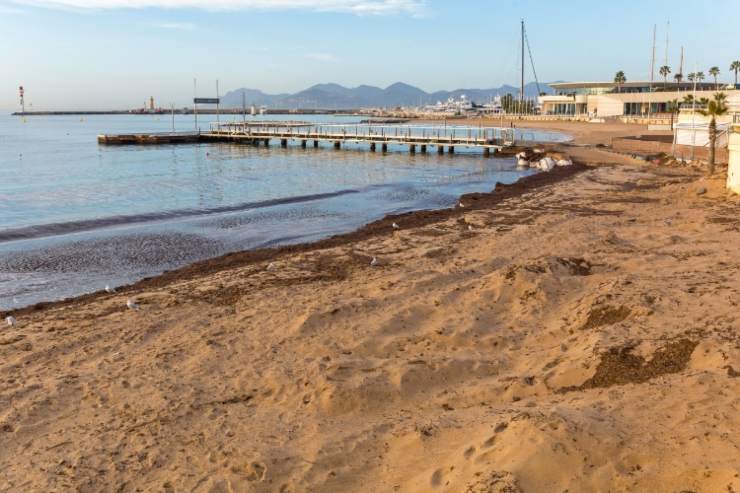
column 81, row 215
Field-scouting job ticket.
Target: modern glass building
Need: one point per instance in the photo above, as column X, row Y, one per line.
column 605, row 99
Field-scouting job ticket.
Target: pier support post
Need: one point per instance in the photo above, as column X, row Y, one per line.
column 283, row 142
column 440, row 149
column 423, row 149
column 303, row 144
column 451, row 149
column 384, row 147
column 337, row 144
column 486, row 152
column 316, row 143
column 372, row 147
column 267, row 142
column 412, row 149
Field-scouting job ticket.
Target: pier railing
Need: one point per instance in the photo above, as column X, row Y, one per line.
column 403, row 134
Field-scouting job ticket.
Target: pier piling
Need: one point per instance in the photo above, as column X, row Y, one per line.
column 423, row 149
column 337, row 144
column 283, row 142
column 372, row 147
column 412, row 149
column 384, row 147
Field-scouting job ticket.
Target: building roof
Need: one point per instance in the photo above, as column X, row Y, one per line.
column 656, row 83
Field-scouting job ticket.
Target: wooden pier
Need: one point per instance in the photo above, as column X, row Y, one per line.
column 376, row 138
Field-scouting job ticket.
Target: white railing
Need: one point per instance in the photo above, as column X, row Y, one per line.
column 407, row 133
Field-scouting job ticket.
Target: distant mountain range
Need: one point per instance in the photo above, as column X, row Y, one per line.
column 332, row 96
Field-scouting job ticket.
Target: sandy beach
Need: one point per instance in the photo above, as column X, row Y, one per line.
column 576, row 332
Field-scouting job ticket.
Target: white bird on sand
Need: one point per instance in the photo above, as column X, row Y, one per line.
column 396, row 226
column 131, row 304
column 460, row 204
column 470, row 228
column 374, row 262
column 10, row 320
column 271, row 266
column 109, row 289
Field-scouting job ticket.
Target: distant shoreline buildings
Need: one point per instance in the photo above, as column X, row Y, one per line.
column 609, row 99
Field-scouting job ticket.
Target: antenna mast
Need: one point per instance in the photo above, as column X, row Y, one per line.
column 244, row 106
column 195, row 102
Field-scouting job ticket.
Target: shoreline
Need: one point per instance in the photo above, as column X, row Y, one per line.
column 413, row 219
column 578, row 137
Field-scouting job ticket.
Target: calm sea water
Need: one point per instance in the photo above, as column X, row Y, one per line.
column 75, row 216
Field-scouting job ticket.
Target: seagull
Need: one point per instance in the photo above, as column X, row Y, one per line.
column 109, row 289
column 460, row 204
column 10, row 320
column 374, row 262
column 396, row 226
column 271, row 266
column 470, row 228
column 132, row 305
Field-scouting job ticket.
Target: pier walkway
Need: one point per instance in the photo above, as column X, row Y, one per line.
column 377, row 137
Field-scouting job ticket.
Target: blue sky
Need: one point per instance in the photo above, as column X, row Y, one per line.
column 96, row 54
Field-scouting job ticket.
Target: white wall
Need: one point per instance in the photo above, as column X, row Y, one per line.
column 733, row 170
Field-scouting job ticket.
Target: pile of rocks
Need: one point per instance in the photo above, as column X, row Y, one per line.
column 545, row 161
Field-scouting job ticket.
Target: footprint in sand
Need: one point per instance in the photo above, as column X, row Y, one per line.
column 257, row 471
column 437, row 478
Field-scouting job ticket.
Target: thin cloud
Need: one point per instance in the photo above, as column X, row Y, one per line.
column 178, row 26
column 322, row 57
column 11, row 10
column 357, row 7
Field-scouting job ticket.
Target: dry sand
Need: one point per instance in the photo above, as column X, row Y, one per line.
column 582, row 337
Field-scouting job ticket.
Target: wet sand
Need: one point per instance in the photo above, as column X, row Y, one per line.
column 576, row 331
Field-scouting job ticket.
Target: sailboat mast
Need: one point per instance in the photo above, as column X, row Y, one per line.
column 652, row 60
column 521, row 92
column 667, row 40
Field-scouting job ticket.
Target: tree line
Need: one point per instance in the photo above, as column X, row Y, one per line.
column 620, row 78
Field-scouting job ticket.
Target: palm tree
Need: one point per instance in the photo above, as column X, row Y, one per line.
column 715, row 107
column 700, row 77
column 673, row 108
column 678, row 77
column 664, row 71
column 714, row 72
column 620, row 79
column 735, row 67
column 692, row 76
